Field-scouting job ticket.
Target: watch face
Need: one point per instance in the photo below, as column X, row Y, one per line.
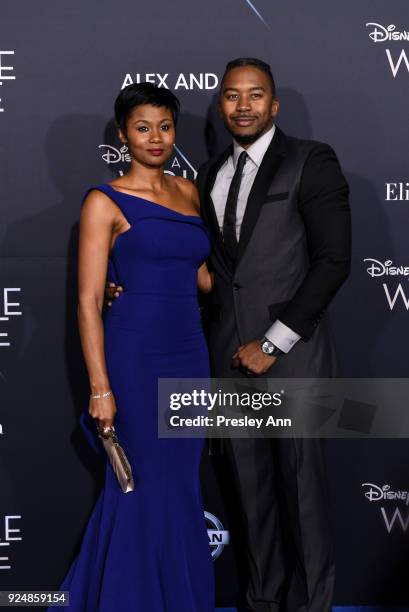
column 267, row 347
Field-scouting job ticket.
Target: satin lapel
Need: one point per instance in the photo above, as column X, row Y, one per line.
column 264, row 177
column 210, row 212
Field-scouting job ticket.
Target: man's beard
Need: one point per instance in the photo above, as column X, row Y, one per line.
column 247, row 139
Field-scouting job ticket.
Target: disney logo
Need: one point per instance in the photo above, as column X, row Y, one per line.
column 377, row 268
column 113, row 155
column 376, row 493
column 382, row 34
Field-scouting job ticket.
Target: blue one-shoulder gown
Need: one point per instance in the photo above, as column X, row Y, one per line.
column 148, row 550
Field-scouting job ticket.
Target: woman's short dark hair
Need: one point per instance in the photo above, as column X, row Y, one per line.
column 138, row 94
column 241, row 62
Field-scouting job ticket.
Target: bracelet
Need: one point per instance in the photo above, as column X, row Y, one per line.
column 99, row 395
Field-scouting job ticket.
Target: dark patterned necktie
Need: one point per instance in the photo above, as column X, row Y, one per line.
column 229, row 220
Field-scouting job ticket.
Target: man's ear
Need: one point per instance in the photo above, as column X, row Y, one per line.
column 219, row 109
column 275, row 107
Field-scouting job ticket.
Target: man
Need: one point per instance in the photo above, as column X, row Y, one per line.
column 278, row 211
column 279, row 215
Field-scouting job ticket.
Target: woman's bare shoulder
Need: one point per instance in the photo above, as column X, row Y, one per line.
column 189, row 189
column 96, row 204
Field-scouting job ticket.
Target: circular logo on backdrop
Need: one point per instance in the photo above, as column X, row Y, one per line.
column 218, row 535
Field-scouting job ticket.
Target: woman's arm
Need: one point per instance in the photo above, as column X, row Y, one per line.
column 205, row 279
column 96, row 224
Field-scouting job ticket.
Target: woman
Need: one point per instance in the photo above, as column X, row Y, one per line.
column 146, row 550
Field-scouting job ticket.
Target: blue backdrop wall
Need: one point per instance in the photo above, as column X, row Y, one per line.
column 342, row 71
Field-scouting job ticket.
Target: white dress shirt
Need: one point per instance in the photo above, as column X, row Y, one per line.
column 279, row 334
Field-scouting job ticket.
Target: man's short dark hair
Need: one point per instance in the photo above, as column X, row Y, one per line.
column 138, row 94
column 241, row 62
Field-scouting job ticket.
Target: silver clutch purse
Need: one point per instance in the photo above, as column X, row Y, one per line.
column 117, row 458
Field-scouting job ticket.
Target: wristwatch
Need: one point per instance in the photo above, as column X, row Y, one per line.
column 269, row 348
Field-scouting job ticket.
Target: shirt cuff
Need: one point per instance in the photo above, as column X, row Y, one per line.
column 282, row 336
